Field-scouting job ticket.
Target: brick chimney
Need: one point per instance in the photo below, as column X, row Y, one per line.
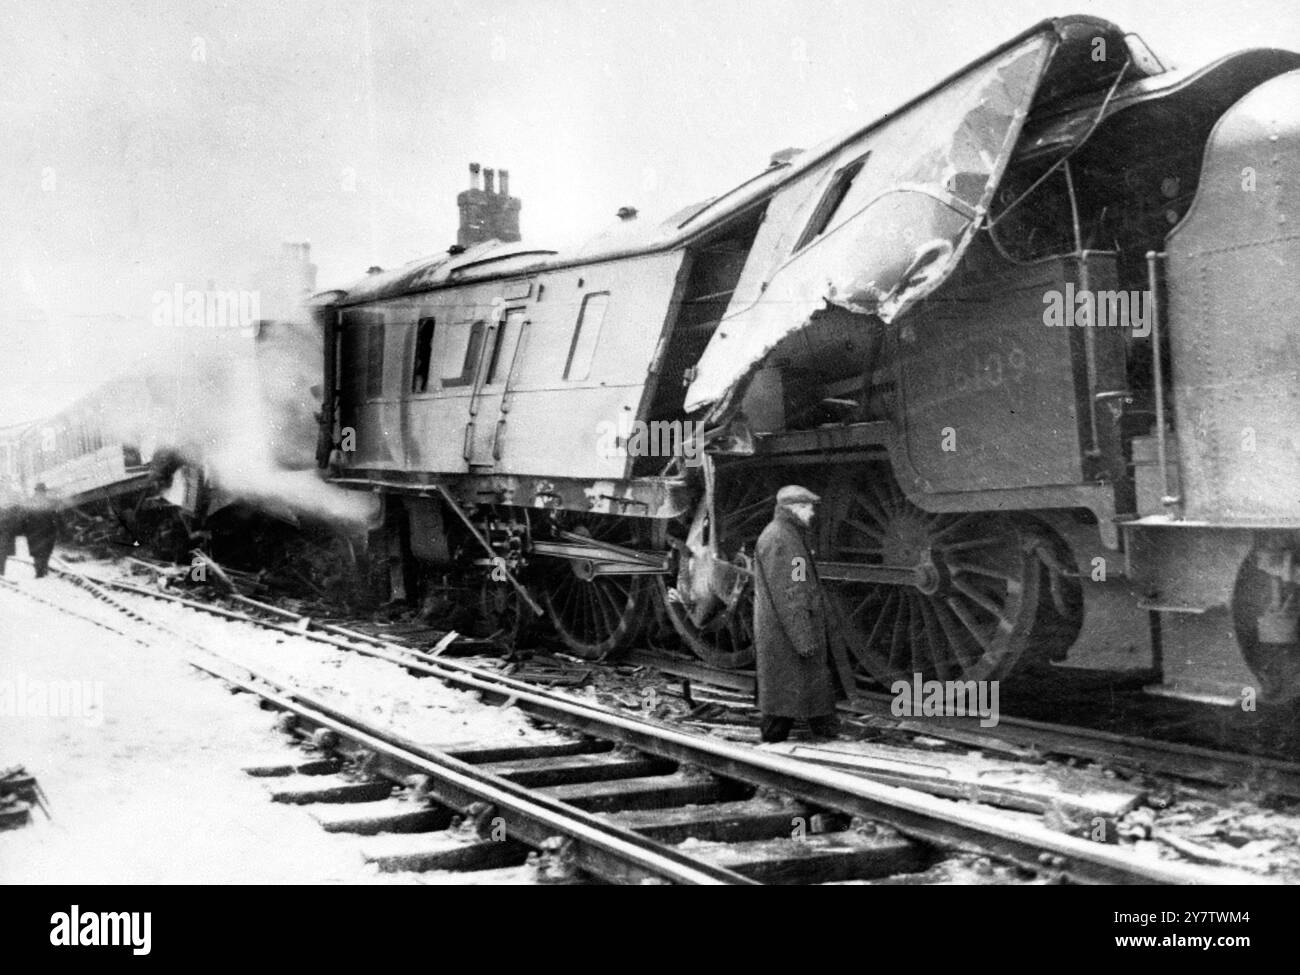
column 486, row 214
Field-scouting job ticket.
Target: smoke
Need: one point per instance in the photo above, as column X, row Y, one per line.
column 242, row 410
column 261, row 445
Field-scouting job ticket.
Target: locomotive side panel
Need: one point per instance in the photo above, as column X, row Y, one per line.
column 993, row 391
column 1233, row 318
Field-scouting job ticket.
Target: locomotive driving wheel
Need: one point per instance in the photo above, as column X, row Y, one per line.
column 975, row 594
column 594, row 615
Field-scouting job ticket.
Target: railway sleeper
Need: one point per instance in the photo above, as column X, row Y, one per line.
column 652, row 792
column 818, row 857
column 303, row 789
column 441, row 850
column 295, row 766
column 719, row 822
column 572, row 769
column 395, row 815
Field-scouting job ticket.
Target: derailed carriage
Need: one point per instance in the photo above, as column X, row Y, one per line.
column 872, row 318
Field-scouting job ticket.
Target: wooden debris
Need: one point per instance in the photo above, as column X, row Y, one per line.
column 19, row 792
column 447, row 640
column 220, row 579
column 1194, row 851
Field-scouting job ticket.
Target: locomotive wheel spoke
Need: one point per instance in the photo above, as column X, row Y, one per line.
column 942, row 652
column 970, row 543
column 898, row 638
column 861, row 550
column 875, row 512
column 874, row 533
column 921, row 650
column 963, row 522
column 963, row 614
column 993, row 572
column 956, row 637
column 882, row 619
column 980, row 600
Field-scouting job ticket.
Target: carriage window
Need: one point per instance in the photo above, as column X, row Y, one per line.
column 583, row 348
column 473, row 344
column 423, row 351
column 375, row 361
column 841, row 183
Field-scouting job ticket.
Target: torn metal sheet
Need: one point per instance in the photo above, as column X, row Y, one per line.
column 926, row 180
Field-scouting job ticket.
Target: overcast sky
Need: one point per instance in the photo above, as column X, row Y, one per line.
column 150, row 144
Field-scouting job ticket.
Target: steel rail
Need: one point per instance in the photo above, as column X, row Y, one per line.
column 606, row 850
column 918, row 815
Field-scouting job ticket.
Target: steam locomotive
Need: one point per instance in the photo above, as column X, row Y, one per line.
column 1030, row 336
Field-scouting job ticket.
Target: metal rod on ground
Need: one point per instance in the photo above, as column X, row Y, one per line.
column 224, row 582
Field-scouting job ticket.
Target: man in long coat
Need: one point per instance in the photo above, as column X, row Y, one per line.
column 10, row 523
column 41, row 526
column 802, row 669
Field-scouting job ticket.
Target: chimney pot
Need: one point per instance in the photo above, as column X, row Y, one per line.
column 473, row 175
column 486, row 214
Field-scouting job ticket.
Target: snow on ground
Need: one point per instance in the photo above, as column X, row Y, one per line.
column 420, row 709
column 141, row 756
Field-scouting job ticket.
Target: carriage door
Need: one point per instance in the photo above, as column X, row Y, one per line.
column 490, row 399
column 517, row 325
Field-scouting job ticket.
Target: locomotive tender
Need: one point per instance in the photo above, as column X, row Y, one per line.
column 1007, row 479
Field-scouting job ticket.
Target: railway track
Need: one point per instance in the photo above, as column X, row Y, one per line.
column 1019, row 735
column 635, row 790
column 1015, row 736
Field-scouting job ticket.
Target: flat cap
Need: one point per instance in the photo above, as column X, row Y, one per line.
column 796, row 494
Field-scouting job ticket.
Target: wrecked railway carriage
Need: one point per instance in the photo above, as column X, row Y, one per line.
column 871, row 318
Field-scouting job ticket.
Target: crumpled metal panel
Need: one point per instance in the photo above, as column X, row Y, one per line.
column 903, row 226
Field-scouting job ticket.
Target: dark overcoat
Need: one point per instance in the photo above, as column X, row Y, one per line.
column 41, row 526
column 801, row 666
column 10, row 525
